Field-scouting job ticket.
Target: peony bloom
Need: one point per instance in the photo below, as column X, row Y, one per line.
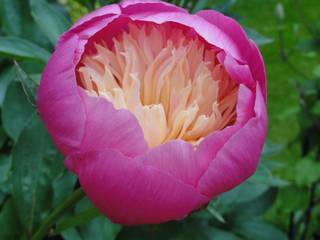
column 156, row 110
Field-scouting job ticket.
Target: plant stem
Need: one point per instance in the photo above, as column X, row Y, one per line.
column 308, row 211
column 291, row 230
column 54, row 216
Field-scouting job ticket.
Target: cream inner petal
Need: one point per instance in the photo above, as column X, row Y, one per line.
column 172, row 83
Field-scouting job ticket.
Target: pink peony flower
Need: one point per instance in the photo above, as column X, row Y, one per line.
column 156, row 110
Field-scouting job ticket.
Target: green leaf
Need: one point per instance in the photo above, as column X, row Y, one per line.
column 258, row 230
column 50, row 21
column 35, row 164
column 211, row 209
column 10, row 227
column 5, row 174
column 243, row 193
column 62, row 186
column 190, row 230
column 71, row 234
column 6, row 76
column 99, row 228
column 27, row 83
column 31, row 67
column 253, row 196
column 79, row 219
column 255, row 207
column 257, row 37
column 90, row 4
column 2, row 198
column 316, row 71
column 264, row 176
column 11, row 17
column 5, row 165
column 187, row 229
column 3, row 136
column 316, row 108
column 18, row 48
column 306, row 171
column 16, row 110
column 219, row 234
column 202, row 4
column 291, row 199
column 17, row 21
column 224, row 6
column 35, row 77
column 291, row 111
column 270, row 149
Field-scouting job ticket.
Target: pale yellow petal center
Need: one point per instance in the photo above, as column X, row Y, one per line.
column 172, row 83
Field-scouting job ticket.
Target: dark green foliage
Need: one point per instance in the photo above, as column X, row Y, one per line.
column 52, row 22
column 16, row 110
column 18, row 48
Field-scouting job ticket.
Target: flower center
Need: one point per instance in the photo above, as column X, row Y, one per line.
column 171, row 82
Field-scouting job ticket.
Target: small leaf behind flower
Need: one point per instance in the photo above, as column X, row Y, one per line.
column 79, row 219
column 35, row 163
column 50, row 21
column 258, row 230
column 28, row 85
column 215, row 213
column 258, row 37
column 11, row 17
column 6, row 76
column 18, row 48
column 16, row 110
column 9, row 222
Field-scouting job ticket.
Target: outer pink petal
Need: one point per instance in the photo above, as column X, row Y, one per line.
column 107, row 127
column 126, row 3
column 58, row 100
column 239, row 156
column 250, row 52
column 147, row 7
column 175, row 158
column 75, row 122
column 129, row 192
column 239, row 72
column 231, row 28
column 258, row 68
column 112, row 9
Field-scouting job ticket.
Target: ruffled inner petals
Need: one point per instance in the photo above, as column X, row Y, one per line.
column 172, row 82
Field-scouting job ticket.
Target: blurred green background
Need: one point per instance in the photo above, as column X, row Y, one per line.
column 281, row 201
